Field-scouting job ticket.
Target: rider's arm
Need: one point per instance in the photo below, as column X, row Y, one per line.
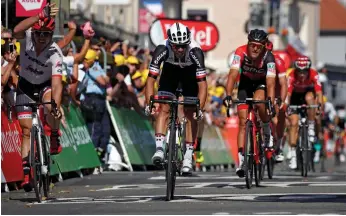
column 290, row 81
column 317, row 87
column 197, row 56
column 159, row 56
column 234, row 70
column 270, row 77
column 280, row 66
column 19, row 30
column 56, row 61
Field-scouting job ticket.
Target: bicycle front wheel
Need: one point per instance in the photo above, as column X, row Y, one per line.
column 248, row 155
column 35, row 164
column 46, row 177
column 171, row 168
column 305, row 152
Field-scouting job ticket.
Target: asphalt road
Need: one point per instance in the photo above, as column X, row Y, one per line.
column 218, row 192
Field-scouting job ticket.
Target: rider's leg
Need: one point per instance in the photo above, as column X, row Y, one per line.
column 265, row 118
column 200, row 129
column 191, row 132
column 25, row 122
column 160, row 133
column 293, row 136
column 242, row 114
column 54, row 123
column 280, row 129
column 310, row 100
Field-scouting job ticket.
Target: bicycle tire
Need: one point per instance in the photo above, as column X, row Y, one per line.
column 262, row 164
column 270, row 167
column 36, row 171
column 46, row 177
column 248, row 155
column 171, row 172
column 305, row 153
column 259, row 167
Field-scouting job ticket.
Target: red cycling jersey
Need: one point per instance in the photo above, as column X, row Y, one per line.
column 311, row 82
column 253, row 70
column 280, row 72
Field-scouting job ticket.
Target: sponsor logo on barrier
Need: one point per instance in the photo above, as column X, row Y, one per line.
column 204, row 33
column 81, row 135
column 9, row 142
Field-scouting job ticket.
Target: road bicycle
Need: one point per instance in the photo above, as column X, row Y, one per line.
column 39, row 157
column 254, row 149
column 175, row 148
column 304, row 150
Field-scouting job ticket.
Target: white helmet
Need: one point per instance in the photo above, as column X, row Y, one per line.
column 179, row 34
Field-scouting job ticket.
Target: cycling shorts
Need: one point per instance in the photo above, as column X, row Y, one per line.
column 247, row 88
column 173, row 75
column 29, row 93
column 298, row 98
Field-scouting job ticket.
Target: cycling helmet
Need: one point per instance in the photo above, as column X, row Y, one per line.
column 302, row 63
column 179, row 34
column 44, row 24
column 258, row 36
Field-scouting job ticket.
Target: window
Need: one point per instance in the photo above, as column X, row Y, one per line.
column 200, row 15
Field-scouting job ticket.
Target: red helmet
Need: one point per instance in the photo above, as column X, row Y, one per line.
column 302, row 63
column 45, row 24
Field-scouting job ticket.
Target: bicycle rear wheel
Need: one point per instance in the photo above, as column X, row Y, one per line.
column 248, row 155
column 35, row 164
column 171, row 168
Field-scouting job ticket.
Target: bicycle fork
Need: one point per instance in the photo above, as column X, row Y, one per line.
column 44, row 167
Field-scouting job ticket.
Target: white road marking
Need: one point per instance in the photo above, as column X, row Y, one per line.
column 195, row 185
column 196, row 198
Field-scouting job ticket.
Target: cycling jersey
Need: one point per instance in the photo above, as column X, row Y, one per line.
column 280, row 72
column 311, row 83
column 39, row 69
column 264, row 68
column 252, row 74
column 193, row 56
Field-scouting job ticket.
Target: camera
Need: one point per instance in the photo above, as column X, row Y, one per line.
column 11, row 47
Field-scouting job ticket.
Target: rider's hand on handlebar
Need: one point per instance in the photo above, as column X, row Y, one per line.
column 199, row 116
column 149, row 112
column 227, row 101
column 56, row 113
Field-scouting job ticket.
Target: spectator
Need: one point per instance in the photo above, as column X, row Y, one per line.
column 139, row 88
column 94, row 103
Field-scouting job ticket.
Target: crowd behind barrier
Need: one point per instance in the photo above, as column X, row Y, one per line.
column 115, row 107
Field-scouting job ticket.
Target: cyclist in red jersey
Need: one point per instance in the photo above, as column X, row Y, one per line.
column 257, row 81
column 280, row 95
column 303, row 88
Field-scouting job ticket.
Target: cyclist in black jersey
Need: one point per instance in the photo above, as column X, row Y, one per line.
column 183, row 62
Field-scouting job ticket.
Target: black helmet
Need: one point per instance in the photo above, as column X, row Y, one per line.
column 257, row 35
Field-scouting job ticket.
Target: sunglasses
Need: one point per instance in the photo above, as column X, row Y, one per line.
column 256, row 45
column 43, row 33
column 9, row 39
column 177, row 46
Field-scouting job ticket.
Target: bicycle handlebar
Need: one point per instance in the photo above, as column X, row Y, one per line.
column 251, row 101
column 31, row 104
column 170, row 101
column 303, row 106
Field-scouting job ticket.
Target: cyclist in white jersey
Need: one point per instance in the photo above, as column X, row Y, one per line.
column 39, row 78
column 183, row 62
